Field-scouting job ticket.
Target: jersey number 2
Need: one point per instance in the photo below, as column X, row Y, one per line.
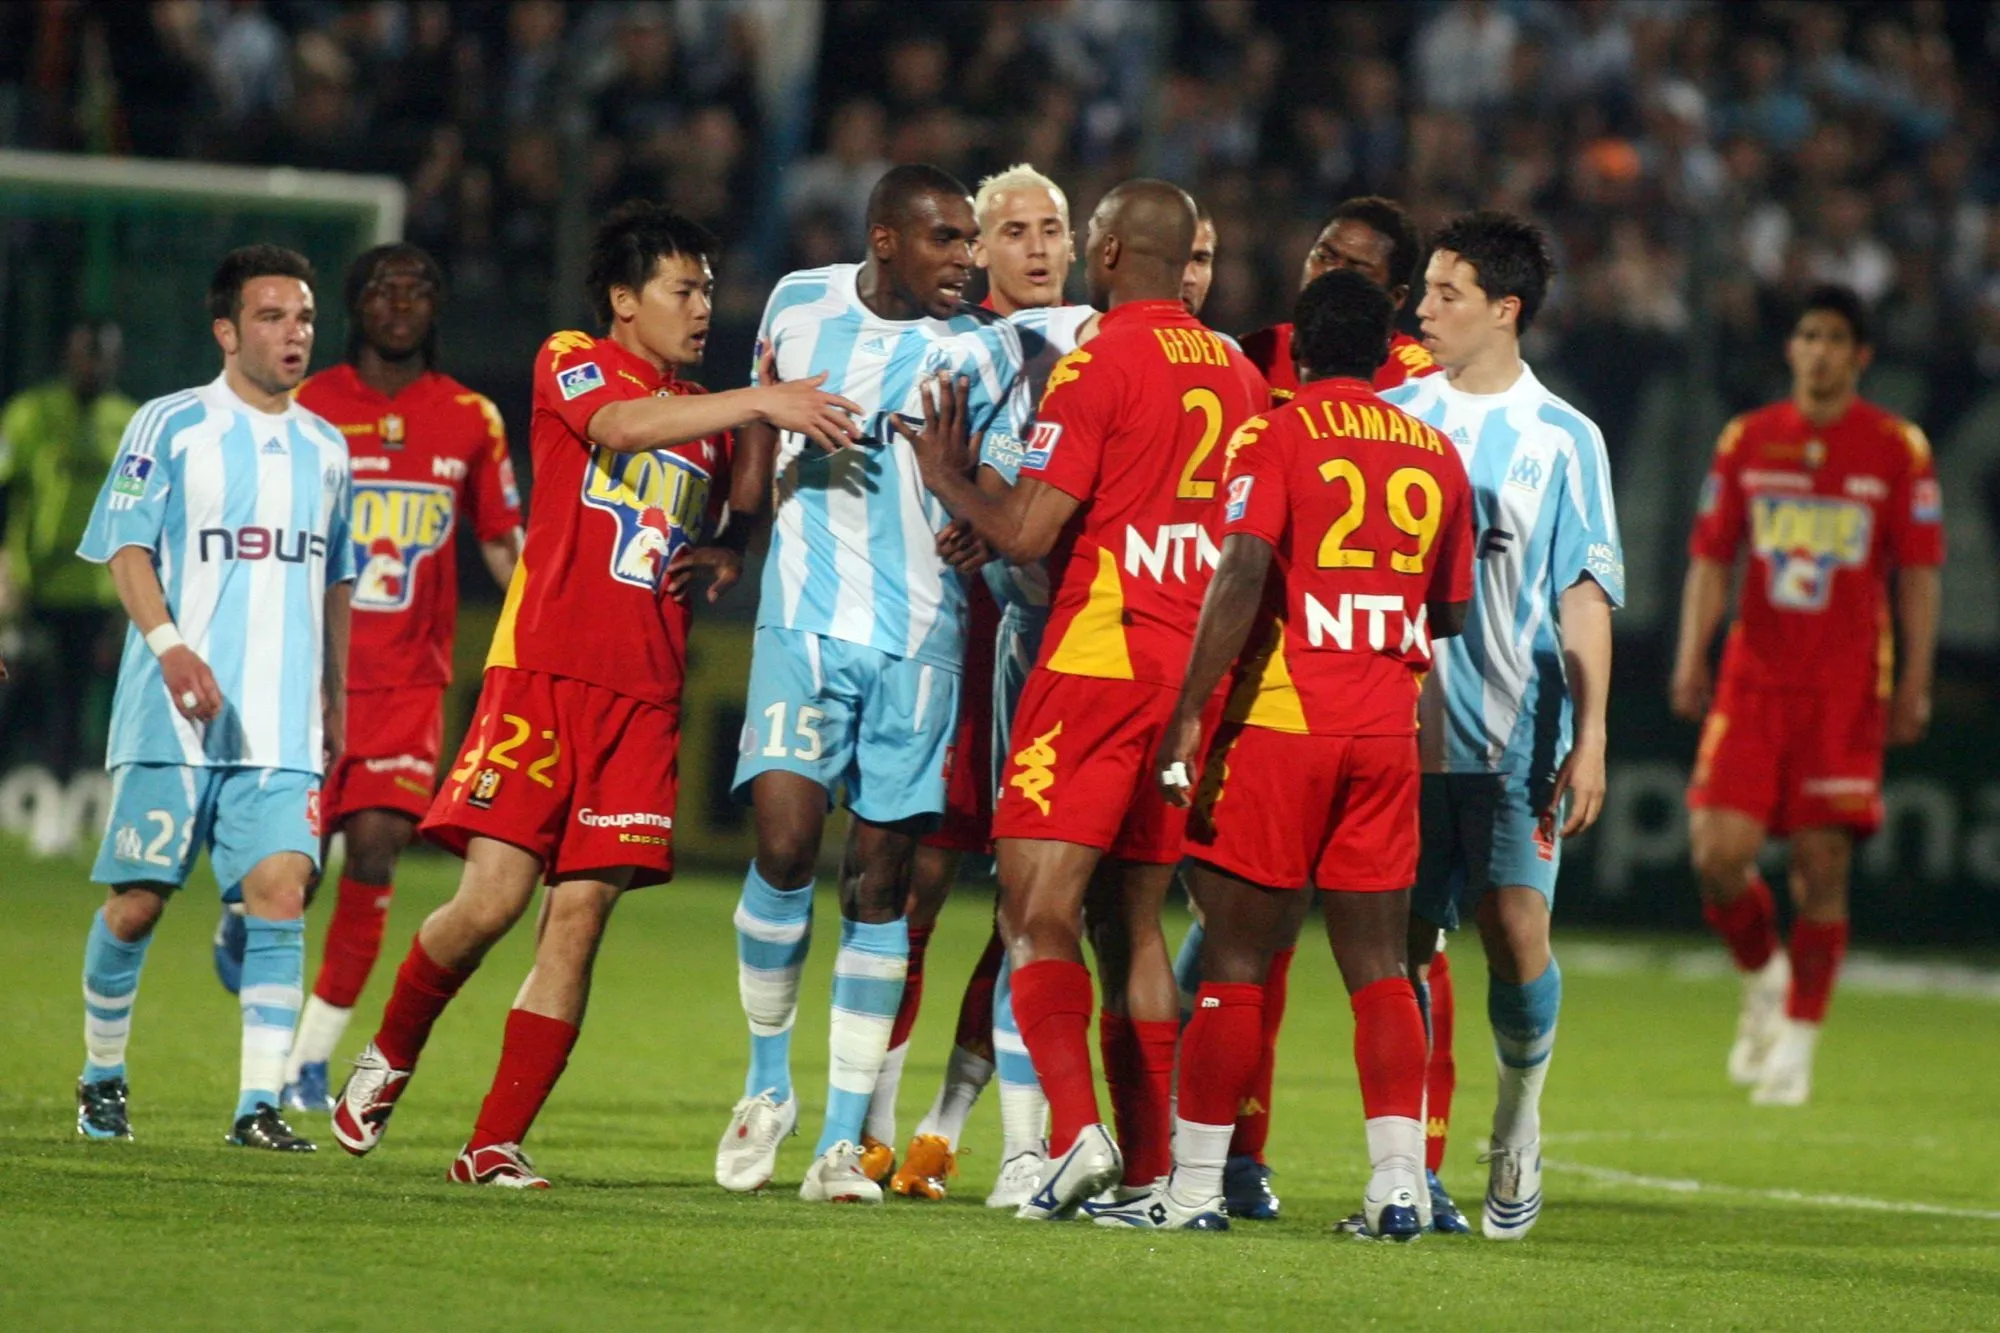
column 1335, row 553
column 1209, row 404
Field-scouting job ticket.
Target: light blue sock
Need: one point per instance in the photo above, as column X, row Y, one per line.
column 1524, row 1036
column 274, row 978
column 1187, row 970
column 1423, row 989
column 110, row 984
column 1023, row 1108
column 773, row 935
column 868, row 977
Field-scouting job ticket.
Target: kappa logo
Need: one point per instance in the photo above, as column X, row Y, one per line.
column 397, row 526
column 579, row 380
column 1063, row 372
column 1037, row 763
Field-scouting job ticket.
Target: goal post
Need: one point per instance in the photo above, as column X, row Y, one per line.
column 135, row 240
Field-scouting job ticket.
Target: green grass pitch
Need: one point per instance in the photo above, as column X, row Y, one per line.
column 1672, row 1203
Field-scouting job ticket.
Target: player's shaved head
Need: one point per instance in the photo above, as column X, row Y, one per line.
column 1139, row 241
column 893, row 201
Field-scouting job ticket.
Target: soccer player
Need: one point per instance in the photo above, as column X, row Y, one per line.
column 1376, row 238
column 568, row 772
column 1513, row 710
column 225, row 524
column 860, row 641
column 1836, row 500
column 425, row 451
column 1347, row 549
column 1025, row 248
column 1099, row 481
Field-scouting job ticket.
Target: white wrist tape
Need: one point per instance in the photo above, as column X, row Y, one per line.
column 164, row 636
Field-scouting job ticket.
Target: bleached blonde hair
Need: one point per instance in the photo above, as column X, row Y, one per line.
column 1020, row 176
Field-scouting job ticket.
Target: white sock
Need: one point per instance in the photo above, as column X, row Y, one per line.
column 1517, row 1110
column 881, row 1123
column 965, row 1077
column 1396, row 1143
column 1200, row 1153
column 321, row 1026
column 1024, row 1118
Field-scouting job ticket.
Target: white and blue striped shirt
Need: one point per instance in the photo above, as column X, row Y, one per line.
column 1497, row 699
column 853, row 553
column 246, row 515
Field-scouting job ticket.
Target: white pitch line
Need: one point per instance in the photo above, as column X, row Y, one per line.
column 1854, row 1202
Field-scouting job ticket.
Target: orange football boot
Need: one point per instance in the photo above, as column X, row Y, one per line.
column 878, row 1159
column 927, row 1167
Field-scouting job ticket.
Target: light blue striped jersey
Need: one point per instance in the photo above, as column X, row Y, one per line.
column 853, row 552
column 1497, row 699
column 246, row 515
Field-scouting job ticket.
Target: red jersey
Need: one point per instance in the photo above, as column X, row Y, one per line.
column 1370, row 514
column 1130, row 426
column 1827, row 511
column 1270, row 350
column 420, row 459
column 589, row 597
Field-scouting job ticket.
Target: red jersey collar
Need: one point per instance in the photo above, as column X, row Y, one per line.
column 1151, row 312
column 360, row 388
column 637, row 366
column 1331, row 386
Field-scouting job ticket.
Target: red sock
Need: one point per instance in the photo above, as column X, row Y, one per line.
column 975, row 1011
column 1817, row 948
column 1389, row 1048
column 1441, row 1072
column 1748, row 924
column 1118, row 1047
column 1146, row 1122
column 532, row 1057
column 1220, row 1050
column 1253, row 1117
column 422, row 991
column 1052, row 1004
column 913, row 987
column 353, row 941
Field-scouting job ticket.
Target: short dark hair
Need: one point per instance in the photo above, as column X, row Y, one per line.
column 630, row 244
column 362, row 272
column 1341, row 325
column 900, row 187
column 1387, row 218
column 1843, row 301
column 1510, row 254
column 241, row 265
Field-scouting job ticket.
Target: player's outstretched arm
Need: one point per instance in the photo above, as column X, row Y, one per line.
column 1919, row 594
column 1022, row 523
column 189, row 681
column 1704, row 597
column 634, row 425
column 1586, row 640
column 1227, row 612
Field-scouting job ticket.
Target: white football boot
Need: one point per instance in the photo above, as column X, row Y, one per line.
column 1020, row 1176
column 1786, row 1079
column 748, row 1153
column 836, row 1177
column 1093, row 1163
column 1394, row 1207
column 1513, row 1191
column 1760, row 1020
column 1159, row 1209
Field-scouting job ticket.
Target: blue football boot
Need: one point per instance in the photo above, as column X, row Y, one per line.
column 1446, row 1219
column 1246, row 1190
column 309, row 1092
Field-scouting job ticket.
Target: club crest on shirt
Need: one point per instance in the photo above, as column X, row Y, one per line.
column 658, row 499
column 397, row 525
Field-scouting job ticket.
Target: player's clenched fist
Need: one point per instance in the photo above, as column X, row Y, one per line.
column 1179, row 760
column 1691, row 691
column 191, row 684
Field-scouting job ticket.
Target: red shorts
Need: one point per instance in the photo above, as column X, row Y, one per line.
column 1284, row 810
column 582, row 776
column 967, row 825
column 1792, row 759
column 1080, row 767
column 390, row 763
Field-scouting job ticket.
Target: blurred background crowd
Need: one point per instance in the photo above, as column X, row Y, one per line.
column 1698, row 163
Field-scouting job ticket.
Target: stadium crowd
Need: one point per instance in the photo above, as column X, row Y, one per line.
column 1700, row 164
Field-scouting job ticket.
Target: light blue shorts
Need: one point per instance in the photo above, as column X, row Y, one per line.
column 164, row 815
column 1015, row 648
column 1481, row 831
column 852, row 718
